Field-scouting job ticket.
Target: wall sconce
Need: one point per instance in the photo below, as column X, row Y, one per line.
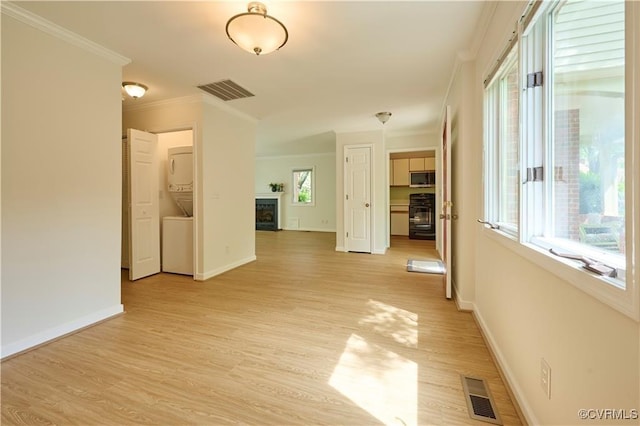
column 135, row 90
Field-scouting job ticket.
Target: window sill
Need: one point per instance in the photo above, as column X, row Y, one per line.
column 606, row 258
column 606, row 290
column 303, row 204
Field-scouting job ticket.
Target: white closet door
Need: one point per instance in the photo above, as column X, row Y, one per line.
column 144, row 211
column 358, row 199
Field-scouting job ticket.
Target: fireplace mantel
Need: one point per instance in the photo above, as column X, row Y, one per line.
column 271, row 196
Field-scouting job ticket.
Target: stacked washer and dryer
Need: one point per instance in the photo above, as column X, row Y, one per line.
column 177, row 231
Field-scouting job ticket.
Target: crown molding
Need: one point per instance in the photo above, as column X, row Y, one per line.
column 38, row 22
column 480, row 32
column 462, row 56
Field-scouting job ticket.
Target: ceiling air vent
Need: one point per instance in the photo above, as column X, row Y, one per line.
column 479, row 400
column 226, row 90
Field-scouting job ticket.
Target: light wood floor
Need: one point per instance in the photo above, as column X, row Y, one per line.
column 302, row 336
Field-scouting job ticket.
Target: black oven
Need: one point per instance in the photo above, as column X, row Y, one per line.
column 422, row 216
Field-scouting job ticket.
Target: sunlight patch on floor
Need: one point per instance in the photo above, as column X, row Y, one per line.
column 379, row 381
column 389, row 321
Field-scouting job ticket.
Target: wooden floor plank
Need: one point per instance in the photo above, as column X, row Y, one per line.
column 303, row 335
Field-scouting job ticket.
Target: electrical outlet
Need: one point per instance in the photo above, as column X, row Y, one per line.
column 545, row 377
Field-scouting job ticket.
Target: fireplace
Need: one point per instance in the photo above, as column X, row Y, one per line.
column 266, row 214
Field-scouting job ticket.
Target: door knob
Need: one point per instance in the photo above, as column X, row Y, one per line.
column 441, row 215
column 366, row 205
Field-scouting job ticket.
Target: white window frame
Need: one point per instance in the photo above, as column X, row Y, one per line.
column 493, row 107
column 532, row 244
column 294, row 200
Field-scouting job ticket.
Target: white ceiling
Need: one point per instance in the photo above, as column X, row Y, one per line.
column 344, row 61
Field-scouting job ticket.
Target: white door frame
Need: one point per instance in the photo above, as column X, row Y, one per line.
column 345, row 189
column 446, row 215
column 196, row 173
column 436, row 150
column 196, row 199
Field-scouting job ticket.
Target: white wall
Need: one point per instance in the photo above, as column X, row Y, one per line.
column 319, row 217
column 61, row 173
column 321, row 143
column 226, row 183
column 411, row 142
column 379, row 187
column 529, row 313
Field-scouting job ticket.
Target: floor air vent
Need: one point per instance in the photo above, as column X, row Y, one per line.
column 479, row 400
column 226, row 90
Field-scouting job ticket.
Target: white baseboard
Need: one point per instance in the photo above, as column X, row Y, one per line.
column 59, row 331
column 463, row 305
column 525, row 408
column 310, row 229
column 378, row 251
column 223, row 269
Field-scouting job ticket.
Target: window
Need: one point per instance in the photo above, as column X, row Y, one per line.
column 555, row 162
column 587, row 141
column 503, row 177
column 303, row 186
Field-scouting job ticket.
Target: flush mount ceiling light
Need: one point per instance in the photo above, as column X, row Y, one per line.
column 133, row 89
column 383, row 116
column 255, row 31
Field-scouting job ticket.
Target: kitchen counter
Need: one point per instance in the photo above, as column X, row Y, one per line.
column 393, row 203
column 399, row 211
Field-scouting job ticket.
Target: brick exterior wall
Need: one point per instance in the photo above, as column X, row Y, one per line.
column 567, row 173
column 510, row 193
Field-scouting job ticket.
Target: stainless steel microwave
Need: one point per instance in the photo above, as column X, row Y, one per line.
column 424, row 179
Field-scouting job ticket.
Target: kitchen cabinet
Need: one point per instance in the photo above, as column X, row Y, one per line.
column 400, row 169
column 400, row 220
column 400, row 172
column 391, row 172
column 416, row 164
column 421, row 164
column 430, row 163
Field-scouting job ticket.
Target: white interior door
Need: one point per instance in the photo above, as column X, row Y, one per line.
column 447, row 204
column 144, row 211
column 358, row 199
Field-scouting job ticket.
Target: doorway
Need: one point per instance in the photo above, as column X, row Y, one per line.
column 405, row 165
column 165, row 203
